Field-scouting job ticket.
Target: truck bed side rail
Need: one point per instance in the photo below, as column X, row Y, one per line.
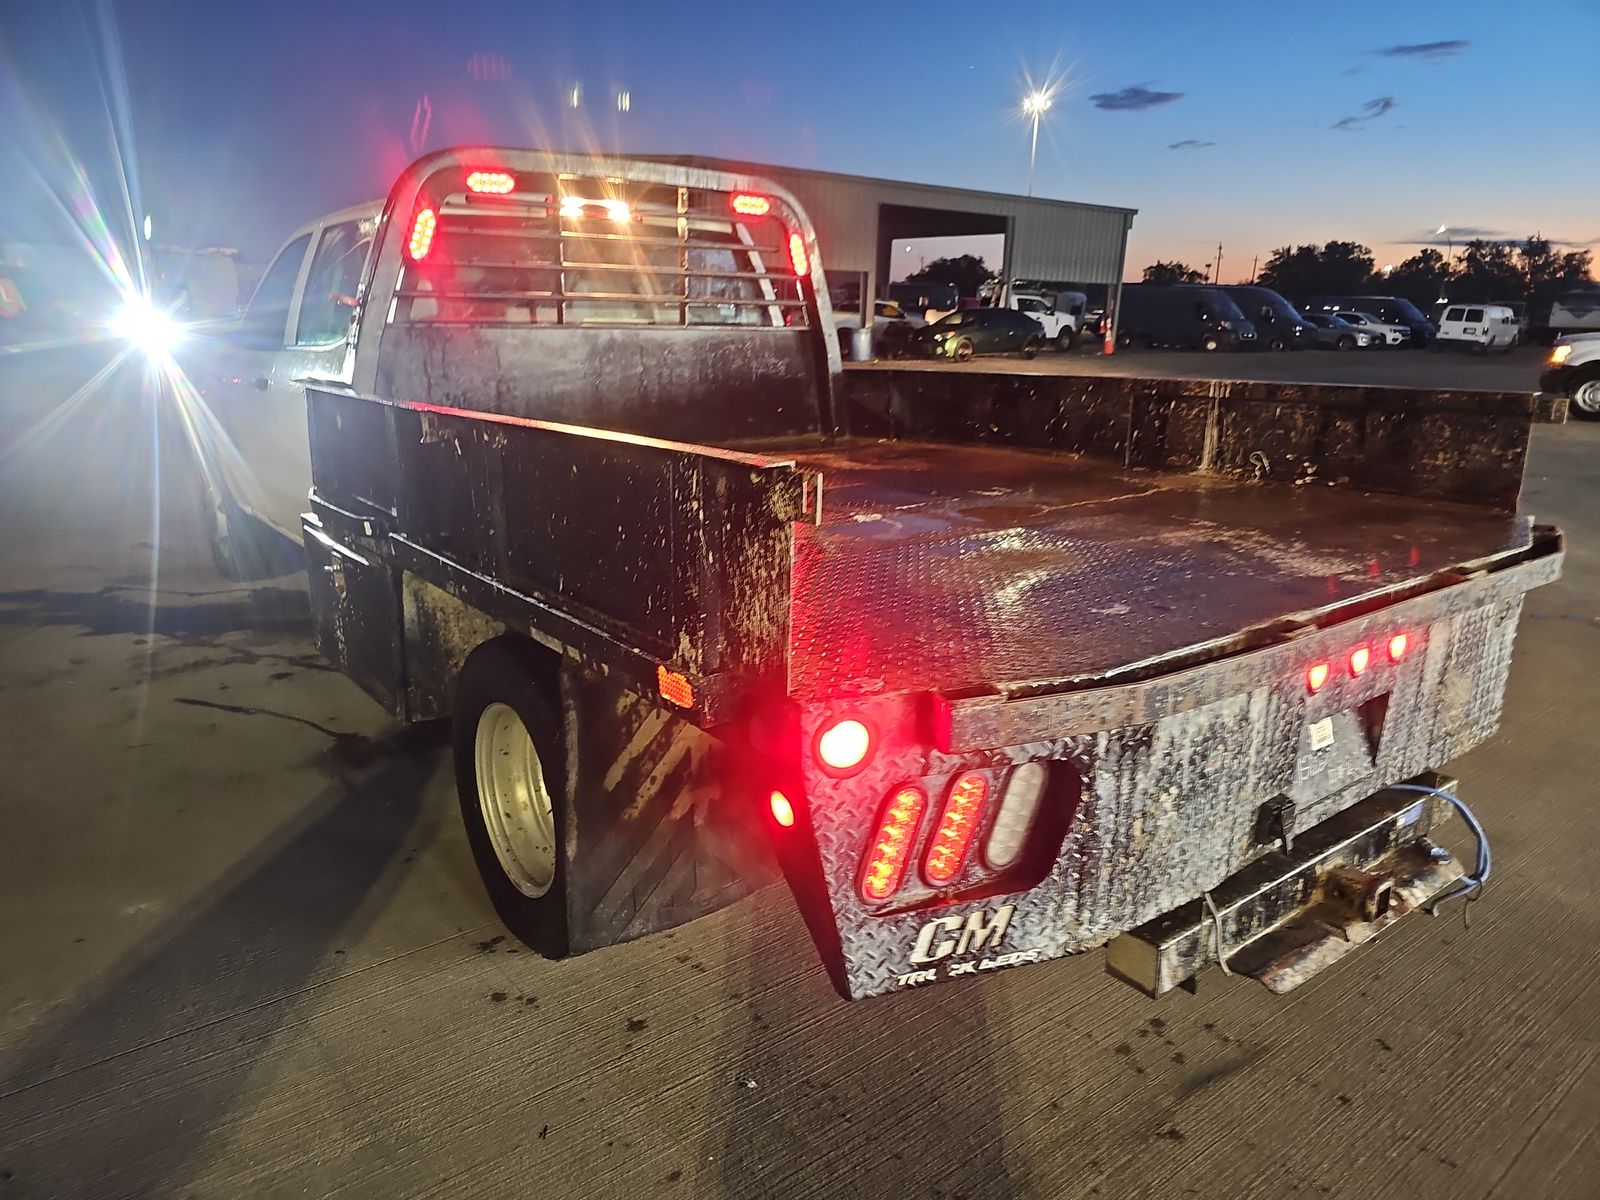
column 655, row 558
column 1468, row 447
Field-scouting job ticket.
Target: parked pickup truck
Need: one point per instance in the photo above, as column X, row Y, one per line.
column 991, row 668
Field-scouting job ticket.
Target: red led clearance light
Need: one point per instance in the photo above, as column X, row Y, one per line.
column 798, row 256
column 422, row 230
column 1397, row 647
column 891, row 844
column 747, row 204
column 1360, row 660
column 957, row 823
column 782, row 810
column 491, row 183
column 1317, row 676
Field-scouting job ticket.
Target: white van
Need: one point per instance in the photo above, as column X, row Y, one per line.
column 1483, row 327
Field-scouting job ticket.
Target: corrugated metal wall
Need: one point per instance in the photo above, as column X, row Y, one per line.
column 1048, row 239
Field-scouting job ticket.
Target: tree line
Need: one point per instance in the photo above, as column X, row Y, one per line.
column 1531, row 270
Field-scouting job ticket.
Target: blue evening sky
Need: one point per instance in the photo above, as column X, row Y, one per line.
column 249, row 118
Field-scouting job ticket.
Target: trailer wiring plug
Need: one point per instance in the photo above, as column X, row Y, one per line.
column 1468, row 887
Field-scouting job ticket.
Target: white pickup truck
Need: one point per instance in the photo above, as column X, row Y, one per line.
column 1573, row 371
column 1061, row 314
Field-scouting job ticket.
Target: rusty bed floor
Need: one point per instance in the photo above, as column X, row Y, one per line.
column 960, row 566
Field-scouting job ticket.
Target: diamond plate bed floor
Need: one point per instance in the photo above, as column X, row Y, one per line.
column 961, row 566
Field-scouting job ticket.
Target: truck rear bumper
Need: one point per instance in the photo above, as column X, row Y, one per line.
column 1290, row 914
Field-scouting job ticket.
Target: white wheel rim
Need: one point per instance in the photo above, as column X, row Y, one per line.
column 514, row 800
column 1587, row 397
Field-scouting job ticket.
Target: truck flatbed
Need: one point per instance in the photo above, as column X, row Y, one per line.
column 960, row 567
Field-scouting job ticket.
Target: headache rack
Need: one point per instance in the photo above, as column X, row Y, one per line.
column 554, row 249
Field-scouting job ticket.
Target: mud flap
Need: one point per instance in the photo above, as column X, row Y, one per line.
column 1288, row 916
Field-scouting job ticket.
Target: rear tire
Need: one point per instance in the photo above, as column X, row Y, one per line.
column 1211, row 343
column 1278, row 344
column 510, row 761
column 1030, row 348
column 964, row 350
column 1346, row 342
column 1066, row 341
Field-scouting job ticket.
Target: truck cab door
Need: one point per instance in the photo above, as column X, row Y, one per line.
column 244, row 384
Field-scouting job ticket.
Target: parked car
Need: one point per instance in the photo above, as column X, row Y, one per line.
column 1573, row 370
column 1480, row 327
column 1330, row 331
column 1182, row 315
column 1382, row 332
column 1393, row 310
column 1279, row 326
column 960, row 335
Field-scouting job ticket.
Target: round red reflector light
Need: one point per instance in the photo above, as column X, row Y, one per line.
column 782, row 810
column 844, row 744
column 1317, row 676
column 1360, row 660
column 1397, row 647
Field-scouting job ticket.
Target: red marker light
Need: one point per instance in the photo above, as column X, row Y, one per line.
column 491, row 183
column 1397, row 647
column 1360, row 660
column 957, row 824
column 747, row 204
column 422, row 230
column 891, row 845
column 844, row 745
column 782, row 810
column 798, row 256
column 1317, row 676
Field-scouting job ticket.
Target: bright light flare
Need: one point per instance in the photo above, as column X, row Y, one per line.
column 146, row 327
column 1037, row 103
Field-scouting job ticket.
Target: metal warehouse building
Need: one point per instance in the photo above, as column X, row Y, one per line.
column 858, row 219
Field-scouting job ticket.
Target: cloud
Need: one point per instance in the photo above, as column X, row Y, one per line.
column 1370, row 111
column 1459, row 235
column 1190, row 144
column 1431, row 51
column 1133, row 99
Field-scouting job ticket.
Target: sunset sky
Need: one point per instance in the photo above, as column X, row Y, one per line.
column 1251, row 124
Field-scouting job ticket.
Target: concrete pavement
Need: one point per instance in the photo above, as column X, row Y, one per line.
column 245, row 951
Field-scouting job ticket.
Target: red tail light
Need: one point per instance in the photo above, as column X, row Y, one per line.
column 891, row 845
column 1317, row 676
column 798, row 256
column 782, row 810
column 1360, row 660
column 962, row 808
column 844, row 745
column 747, row 204
column 422, row 230
column 1397, row 647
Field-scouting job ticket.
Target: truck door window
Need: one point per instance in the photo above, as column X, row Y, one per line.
column 331, row 284
column 268, row 315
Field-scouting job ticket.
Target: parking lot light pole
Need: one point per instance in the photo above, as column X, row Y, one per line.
column 1034, row 105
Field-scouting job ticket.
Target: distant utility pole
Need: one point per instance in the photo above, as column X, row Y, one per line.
column 1254, row 259
column 1217, row 274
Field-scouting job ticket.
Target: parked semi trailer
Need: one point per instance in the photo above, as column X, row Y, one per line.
column 990, row 668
